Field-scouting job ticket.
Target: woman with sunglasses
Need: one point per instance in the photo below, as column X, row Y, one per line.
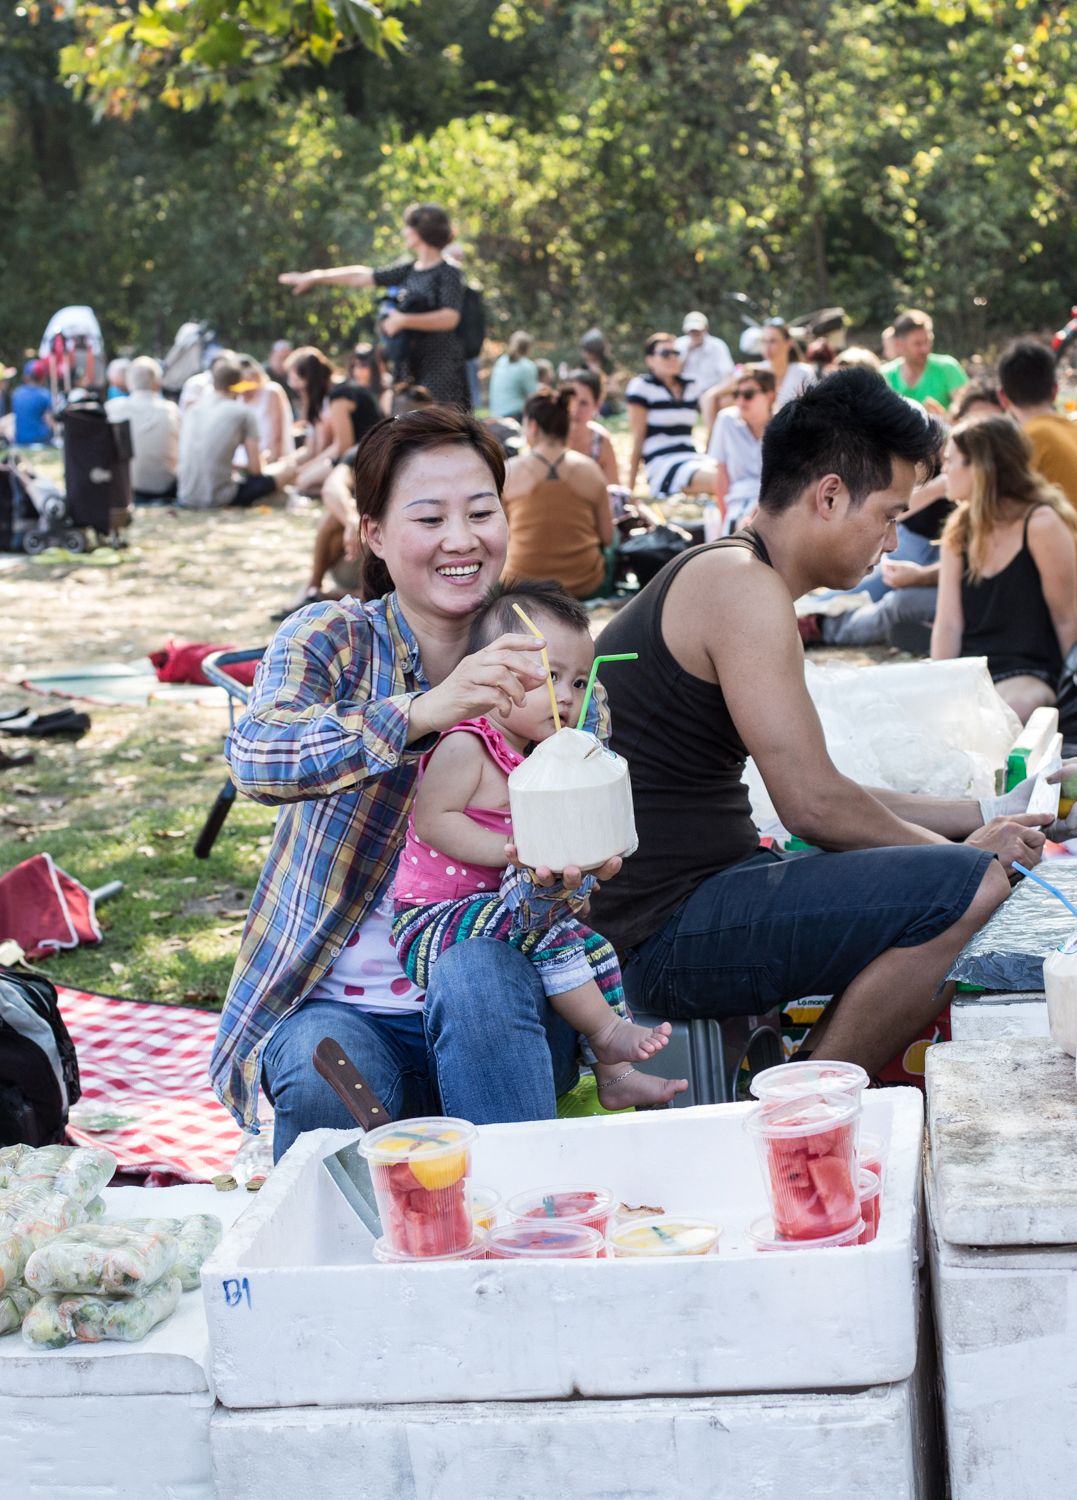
column 737, row 444
column 661, row 417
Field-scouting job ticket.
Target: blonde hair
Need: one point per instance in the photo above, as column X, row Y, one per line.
column 1002, row 474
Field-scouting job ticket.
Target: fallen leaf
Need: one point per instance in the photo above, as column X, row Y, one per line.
column 191, row 760
column 116, row 967
column 147, row 851
column 169, row 833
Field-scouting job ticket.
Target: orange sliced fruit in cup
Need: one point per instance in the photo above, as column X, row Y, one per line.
column 433, row 1172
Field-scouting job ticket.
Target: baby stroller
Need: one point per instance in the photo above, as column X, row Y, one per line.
column 33, row 511
column 188, row 355
column 75, row 351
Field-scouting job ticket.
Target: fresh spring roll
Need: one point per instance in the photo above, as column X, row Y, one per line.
column 102, row 1258
column 15, row 1303
column 56, row 1320
column 198, row 1236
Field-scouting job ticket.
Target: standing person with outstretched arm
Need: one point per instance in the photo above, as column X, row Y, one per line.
column 347, row 700
column 705, row 921
column 423, row 327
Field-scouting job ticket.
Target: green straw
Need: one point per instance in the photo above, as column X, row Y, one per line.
column 624, row 656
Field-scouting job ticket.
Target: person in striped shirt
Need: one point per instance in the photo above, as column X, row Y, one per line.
column 661, row 416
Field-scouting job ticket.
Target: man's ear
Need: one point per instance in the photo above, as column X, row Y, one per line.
column 828, row 491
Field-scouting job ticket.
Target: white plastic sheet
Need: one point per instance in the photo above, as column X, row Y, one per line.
column 937, row 727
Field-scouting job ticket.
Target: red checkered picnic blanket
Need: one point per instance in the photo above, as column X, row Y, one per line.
column 150, row 1062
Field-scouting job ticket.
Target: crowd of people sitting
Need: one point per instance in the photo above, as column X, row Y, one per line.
column 981, row 563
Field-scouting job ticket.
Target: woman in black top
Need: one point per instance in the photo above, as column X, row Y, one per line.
column 426, row 309
column 1008, row 571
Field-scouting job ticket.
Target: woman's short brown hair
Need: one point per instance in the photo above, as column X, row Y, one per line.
column 386, row 447
column 431, row 223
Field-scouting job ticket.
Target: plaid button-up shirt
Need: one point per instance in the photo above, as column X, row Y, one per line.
column 325, row 736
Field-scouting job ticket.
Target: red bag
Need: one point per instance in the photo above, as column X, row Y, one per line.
column 182, row 662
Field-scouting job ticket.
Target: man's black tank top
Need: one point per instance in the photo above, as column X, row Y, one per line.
column 686, row 762
column 1007, row 620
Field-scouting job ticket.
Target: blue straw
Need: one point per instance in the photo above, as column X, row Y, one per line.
column 1030, row 875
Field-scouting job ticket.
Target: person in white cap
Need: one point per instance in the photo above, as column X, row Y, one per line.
column 705, row 360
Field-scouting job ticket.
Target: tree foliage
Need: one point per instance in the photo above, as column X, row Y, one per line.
column 610, row 161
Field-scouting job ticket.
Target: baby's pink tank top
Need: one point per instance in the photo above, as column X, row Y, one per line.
column 423, row 874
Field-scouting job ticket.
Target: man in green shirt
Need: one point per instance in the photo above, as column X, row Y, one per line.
column 928, row 378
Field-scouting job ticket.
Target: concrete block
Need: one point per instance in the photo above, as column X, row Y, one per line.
column 1002, row 1122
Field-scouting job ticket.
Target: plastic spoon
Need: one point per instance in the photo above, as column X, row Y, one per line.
column 1030, row 875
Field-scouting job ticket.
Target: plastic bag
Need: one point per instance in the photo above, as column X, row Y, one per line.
column 196, row 1237
column 15, row 1302
column 96, row 1210
column 10, row 1156
column 79, row 1172
column 37, row 1214
column 14, row 1253
column 56, row 1320
column 102, row 1258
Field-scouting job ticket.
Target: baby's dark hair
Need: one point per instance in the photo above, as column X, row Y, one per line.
column 541, row 596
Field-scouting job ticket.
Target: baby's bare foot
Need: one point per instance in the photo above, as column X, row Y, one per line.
column 621, row 1040
column 624, row 1088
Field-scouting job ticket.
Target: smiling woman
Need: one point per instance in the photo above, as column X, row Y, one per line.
column 348, row 699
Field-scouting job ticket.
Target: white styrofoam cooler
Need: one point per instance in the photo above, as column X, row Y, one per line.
column 299, row 1315
column 983, row 1018
column 770, row 1447
column 1002, row 1239
column 115, row 1421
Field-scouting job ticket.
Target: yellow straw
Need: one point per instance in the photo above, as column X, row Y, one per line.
column 545, row 662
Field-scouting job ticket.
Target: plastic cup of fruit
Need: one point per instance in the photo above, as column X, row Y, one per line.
column 385, row 1255
column 792, row 1080
column 556, row 1240
column 808, row 1155
column 573, row 1205
column 871, row 1198
column 484, row 1206
column 762, row 1235
column 873, row 1154
column 420, row 1169
column 663, row 1235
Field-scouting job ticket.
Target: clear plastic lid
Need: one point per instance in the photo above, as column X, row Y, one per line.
column 428, row 1139
column 664, row 1235
column 868, row 1185
column 569, row 1204
column 560, row 1240
column 762, row 1234
column 790, row 1118
column 791, row 1079
column 384, row 1253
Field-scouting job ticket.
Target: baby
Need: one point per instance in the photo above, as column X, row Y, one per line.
column 451, row 882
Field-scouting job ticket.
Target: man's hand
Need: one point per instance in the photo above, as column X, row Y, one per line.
column 1020, row 839
column 299, row 281
column 393, row 322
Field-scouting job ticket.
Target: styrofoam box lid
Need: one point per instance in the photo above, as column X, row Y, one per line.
column 1002, row 1118
column 296, row 1275
column 170, row 1360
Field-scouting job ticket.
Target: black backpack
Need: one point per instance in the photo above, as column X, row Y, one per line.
column 39, row 1074
column 471, row 328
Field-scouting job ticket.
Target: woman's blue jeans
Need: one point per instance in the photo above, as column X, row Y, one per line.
column 485, row 1047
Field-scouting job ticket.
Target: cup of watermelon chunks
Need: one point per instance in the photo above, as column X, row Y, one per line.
column 578, row 1205
column 808, row 1153
column 420, row 1170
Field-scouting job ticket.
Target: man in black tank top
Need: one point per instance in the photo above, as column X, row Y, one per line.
column 707, row 923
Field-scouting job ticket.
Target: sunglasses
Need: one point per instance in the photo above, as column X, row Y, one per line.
column 747, row 394
column 666, row 353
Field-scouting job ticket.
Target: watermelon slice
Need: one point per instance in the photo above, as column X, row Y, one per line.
column 837, row 1195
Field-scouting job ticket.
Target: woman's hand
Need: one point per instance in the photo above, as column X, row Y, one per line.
column 497, row 677
column 572, row 876
column 393, row 322
column 899, row 574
